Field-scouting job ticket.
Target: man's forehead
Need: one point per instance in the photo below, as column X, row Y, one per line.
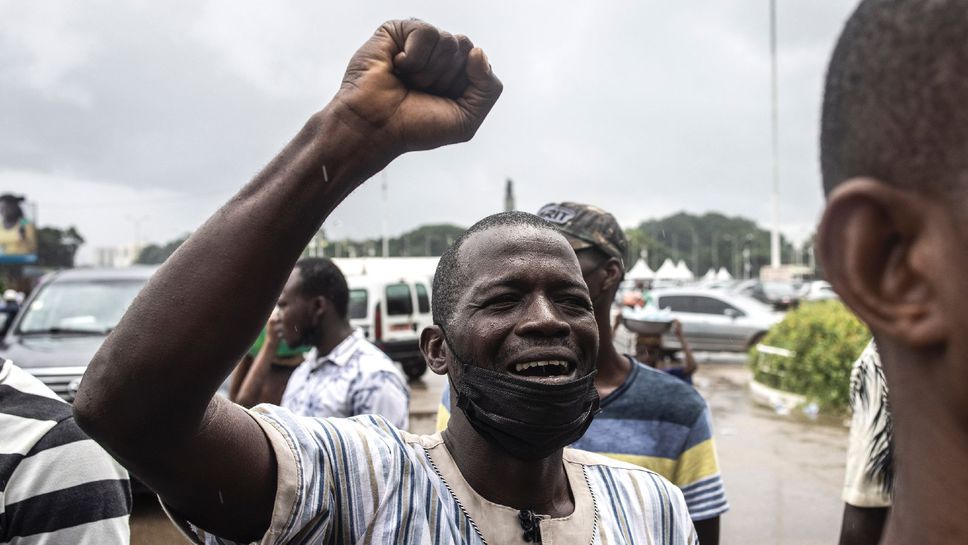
column 510, row 252
column 508, row 241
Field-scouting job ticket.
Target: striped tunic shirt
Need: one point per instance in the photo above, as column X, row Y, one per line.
column 658, row 422
column 360, row 480
column 56, row 484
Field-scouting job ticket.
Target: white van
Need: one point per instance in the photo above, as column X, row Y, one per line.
column 392, row 311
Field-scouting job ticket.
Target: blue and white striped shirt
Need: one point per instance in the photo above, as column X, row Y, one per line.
column 361, row 480
column 355, row 378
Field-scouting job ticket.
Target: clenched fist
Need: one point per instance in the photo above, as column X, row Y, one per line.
column 414, row 87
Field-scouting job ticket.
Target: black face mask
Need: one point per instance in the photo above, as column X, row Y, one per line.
column 528, row 419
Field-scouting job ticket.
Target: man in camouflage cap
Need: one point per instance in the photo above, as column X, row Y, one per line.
column 586, row 226
column 677, row 440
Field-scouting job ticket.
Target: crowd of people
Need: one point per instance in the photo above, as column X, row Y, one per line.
column 548, row 433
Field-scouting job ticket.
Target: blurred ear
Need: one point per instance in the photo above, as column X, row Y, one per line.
column 432, row 347
column 877, row 252
column 321, row 306
column 613, row 275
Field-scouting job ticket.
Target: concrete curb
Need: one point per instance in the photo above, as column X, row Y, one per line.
column 778, row 400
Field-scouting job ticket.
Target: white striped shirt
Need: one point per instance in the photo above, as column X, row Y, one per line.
column 354, row 378
column 56, row 484
column 360, row 480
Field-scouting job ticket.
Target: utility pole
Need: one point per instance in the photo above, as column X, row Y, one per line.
column 715, row 242
column 386, row 244
column 775, row 194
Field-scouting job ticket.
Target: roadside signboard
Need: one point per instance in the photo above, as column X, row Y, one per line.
column 18, row 230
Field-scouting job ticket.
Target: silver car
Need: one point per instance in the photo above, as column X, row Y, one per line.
column 714, row 320
column 66, row 319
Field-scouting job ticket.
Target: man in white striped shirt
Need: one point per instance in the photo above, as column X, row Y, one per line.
column 515, row 333
column 56, row 484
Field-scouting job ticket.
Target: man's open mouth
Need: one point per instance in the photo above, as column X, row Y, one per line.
column 545, row 368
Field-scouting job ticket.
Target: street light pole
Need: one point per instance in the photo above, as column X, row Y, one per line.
column 386, row 243
column 136, row 222
column 733, row 261
column 715, row 242
column 775, row 195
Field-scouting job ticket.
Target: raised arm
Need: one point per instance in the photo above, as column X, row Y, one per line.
column 147, row 396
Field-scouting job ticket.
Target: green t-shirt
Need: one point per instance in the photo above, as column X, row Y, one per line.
column 284, row 350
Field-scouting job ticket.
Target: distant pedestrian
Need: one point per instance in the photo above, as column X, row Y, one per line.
column 649, row 350
column 263, row 373
column 343, row 374
column 869, row 479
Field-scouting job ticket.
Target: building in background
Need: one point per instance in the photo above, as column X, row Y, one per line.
column 117, row 256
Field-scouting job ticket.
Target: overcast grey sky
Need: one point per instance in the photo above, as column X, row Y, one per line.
column 154, row 113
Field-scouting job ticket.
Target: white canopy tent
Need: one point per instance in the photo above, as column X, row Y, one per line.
column 640, row 271
column 710, row 276
column 667, row 271
column 723, row 274
column 683, row 271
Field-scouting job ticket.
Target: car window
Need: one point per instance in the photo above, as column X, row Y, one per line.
column 423, row 299
column 399, row 300
column 710, row 305
column 676, row 303
column 358, row 303
column 93, row 306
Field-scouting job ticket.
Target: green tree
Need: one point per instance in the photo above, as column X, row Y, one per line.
column 154, row 254
column 711, row 240
column 57, row 248
column 426, row 240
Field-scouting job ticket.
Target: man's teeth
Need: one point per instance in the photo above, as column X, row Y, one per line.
column 521, row 367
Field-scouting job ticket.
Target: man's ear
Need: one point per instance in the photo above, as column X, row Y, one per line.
column 434, row 349
column 321, row 306
column 875, row 246
column 614, row 271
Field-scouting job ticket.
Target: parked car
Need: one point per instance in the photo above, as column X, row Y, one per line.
column 818, row 290
column 392, row 311
column 65, row 320
column 715, row 320
column 779, row 295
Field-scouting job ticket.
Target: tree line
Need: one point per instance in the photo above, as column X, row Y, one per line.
column 703, row 241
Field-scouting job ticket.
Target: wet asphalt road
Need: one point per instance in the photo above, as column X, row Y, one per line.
column 783, row 474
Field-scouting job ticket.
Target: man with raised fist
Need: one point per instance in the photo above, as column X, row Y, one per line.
column 514, row 331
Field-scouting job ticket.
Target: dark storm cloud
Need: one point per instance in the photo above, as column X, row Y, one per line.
column 643, row 108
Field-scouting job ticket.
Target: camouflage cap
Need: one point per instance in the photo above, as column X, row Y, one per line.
column 587, row 226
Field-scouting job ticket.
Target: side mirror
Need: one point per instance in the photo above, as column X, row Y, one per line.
column 731, row 312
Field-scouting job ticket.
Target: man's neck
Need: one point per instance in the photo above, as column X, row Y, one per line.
column 931, row 496
column 613, row 368
column 332, row 335
column 541, row 486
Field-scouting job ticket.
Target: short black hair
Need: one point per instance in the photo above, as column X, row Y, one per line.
column 896, row 98
column 449, row 278
column 321, row 277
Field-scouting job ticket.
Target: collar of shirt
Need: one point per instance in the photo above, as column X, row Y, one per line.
column 340, row 355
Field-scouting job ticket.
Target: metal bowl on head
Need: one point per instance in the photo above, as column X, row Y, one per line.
column 642, row 326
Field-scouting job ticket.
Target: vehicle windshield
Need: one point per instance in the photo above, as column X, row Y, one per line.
column 92, row 307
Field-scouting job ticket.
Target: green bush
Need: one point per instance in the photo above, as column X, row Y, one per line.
column 826, row 338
